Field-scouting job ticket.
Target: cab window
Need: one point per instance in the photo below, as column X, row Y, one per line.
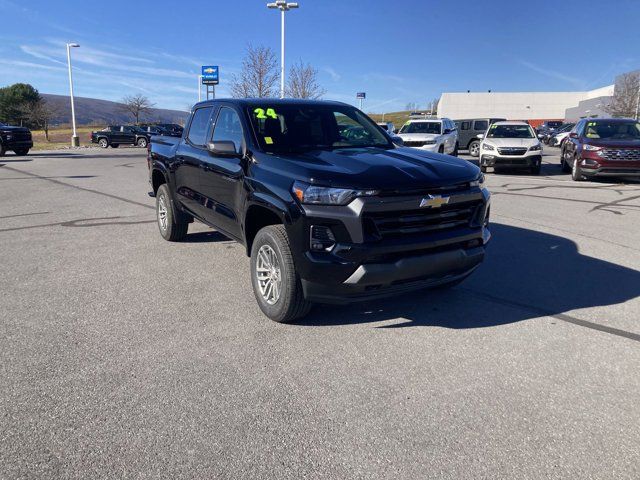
column 228, row 128
column 199, row 126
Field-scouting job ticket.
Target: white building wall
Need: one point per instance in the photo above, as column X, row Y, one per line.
column 513, row 105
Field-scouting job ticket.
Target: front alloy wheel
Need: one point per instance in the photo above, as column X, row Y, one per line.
column 268, row 274
column 576, row 171
column 142, row 142
column 474, row 149
column 103, row 143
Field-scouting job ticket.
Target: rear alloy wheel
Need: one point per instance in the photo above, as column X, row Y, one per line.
column 170, row 227
column 103, row 142
column 275, row 281
column 142, row 142
column 474, row 148
column 576, row 171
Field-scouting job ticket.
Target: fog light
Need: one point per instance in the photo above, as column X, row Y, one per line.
column 322, row 238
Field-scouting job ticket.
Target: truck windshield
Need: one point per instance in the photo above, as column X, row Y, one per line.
column 613, row 130
column 510, row 131
column 285, row 128
column 421, row 127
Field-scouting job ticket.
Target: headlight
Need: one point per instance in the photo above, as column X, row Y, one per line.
column 313, row 194
column 9, row 136
column 591, row 148
column 535, row 147
column 486, row 146
column 478, row 182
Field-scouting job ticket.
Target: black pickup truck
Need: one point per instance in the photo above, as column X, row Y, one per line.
column 16, row 139
column 116, row 135
column 325, row 217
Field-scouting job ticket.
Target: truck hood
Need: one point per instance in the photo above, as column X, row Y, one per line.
column 511, row 142
column 394, row 169
column 10, row 129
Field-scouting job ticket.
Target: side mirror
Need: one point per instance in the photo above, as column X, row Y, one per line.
column 396, row 130
column 573, row 135
column 397, row 140
column 447, row 131
column 480, row 136
column 224, row 148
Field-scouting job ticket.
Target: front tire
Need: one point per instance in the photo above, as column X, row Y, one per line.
column 576, row 171
column 474, row 148
column 172, row 227
column 21, row 152
column 142, row 142
column 535, row 169
column 563, row 162
column 3, row 150
column 455, row 150
column 275, row 281
column 115, row 145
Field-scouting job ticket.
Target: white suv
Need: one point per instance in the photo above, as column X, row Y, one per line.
column 511, row 145
column 433, row 134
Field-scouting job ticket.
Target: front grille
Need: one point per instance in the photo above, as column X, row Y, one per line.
column 512, row 151
column 20, row 136
column 621, row 154
column 395, row 224
column 414, row 143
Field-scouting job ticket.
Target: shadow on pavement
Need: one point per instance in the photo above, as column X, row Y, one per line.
column 528, row 273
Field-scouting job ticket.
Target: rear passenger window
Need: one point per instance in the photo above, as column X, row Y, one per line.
column 465, row 126
column 480, row 125
column 199, row 126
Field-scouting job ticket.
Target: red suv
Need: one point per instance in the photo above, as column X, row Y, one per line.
column 602, row 147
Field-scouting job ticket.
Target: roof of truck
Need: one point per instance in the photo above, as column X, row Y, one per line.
column 271, row 101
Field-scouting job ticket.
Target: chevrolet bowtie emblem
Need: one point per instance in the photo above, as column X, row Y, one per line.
column 434, row 201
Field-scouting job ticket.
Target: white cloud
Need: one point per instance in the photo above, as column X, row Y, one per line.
column 576, row 82
column 335, row 76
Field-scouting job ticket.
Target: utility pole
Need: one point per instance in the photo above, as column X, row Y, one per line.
column 199, row 88
column 283, row 6
column 75, row 141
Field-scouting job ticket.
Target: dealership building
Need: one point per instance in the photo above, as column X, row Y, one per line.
column 534, row 107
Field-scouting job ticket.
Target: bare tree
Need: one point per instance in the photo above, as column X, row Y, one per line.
column 136, row 105
column 411, row 106
column 625, row 96
column 259, row 76
column 303, row 82
column 39, row 113
column 433, row 106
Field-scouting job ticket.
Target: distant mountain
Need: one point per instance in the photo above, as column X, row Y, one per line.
column 92, row 111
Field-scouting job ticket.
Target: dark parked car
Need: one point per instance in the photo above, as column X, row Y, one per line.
column 172, row 129
column 116, row 135
column 599, row 147
column 325, row 216
column 548, row 127
column 153, row 129
column 468, row 131
column 16, row 139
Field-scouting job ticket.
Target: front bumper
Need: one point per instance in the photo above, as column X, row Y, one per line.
column 515, row 161
column 360, row 267
column 593, row 165
column 19, row 144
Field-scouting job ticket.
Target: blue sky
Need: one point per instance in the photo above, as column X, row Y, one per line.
column 398, row 52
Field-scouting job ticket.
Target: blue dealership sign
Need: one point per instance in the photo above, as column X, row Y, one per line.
column 361, row 95
column 210, row 75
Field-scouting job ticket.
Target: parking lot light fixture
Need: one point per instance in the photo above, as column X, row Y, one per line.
column 75, row 141
column 283, row 6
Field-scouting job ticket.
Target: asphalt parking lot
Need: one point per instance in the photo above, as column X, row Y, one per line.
column 125, row 356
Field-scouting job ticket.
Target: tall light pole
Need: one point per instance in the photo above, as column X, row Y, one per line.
column 199, row 88
column 283, row 6
column 75, row 141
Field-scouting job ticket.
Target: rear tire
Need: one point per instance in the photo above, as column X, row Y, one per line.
column 142, row 142
column 563, row 162
column 576, row 171
column 21, row 152
column 103, row 143
column 172, row 226
column 273, row 269
column 474, row 148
